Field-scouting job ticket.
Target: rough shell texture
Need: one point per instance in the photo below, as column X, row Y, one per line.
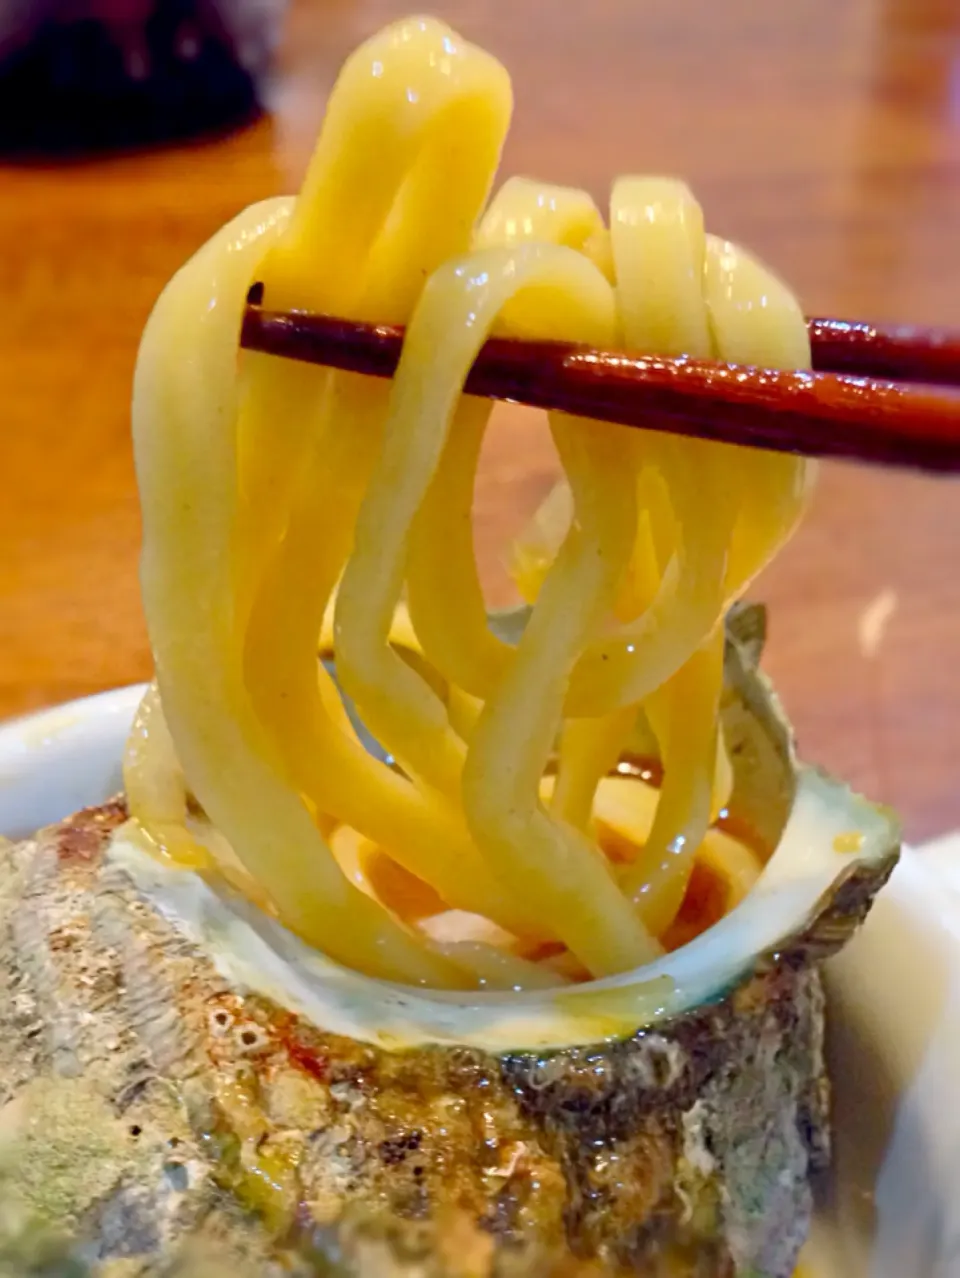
column 145, row 1103
column 156, row 1121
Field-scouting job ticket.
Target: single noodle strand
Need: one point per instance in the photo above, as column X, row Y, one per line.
column 184, row 418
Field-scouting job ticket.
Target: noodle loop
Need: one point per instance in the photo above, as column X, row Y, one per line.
column 282, row 503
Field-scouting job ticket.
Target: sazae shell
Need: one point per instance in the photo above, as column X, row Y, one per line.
column 186, row 1089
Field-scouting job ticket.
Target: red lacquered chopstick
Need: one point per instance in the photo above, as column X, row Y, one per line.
column 819, row 414
column 902, row 352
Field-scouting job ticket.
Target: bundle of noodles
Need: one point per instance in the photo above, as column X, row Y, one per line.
column 498, row 952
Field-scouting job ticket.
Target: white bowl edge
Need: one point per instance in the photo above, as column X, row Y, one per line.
column 62, row 759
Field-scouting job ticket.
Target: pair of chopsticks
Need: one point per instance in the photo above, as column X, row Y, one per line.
column 873, row 396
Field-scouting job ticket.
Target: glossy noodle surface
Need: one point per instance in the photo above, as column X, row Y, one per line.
column 290, row 508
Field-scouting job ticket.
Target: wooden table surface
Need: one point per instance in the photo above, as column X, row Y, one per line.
column 826, row 136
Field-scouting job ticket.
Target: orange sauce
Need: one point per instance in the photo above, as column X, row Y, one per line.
column 709, row 896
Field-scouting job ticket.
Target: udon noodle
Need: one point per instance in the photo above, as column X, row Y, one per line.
column 497, row 849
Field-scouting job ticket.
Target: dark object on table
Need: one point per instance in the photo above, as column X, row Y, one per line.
column 87, row 75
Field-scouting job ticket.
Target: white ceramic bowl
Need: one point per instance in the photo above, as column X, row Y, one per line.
column 891, row 1208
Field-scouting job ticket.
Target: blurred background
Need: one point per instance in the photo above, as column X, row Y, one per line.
column 825, row 136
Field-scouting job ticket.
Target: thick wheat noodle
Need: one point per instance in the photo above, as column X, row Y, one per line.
column 270, row 490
